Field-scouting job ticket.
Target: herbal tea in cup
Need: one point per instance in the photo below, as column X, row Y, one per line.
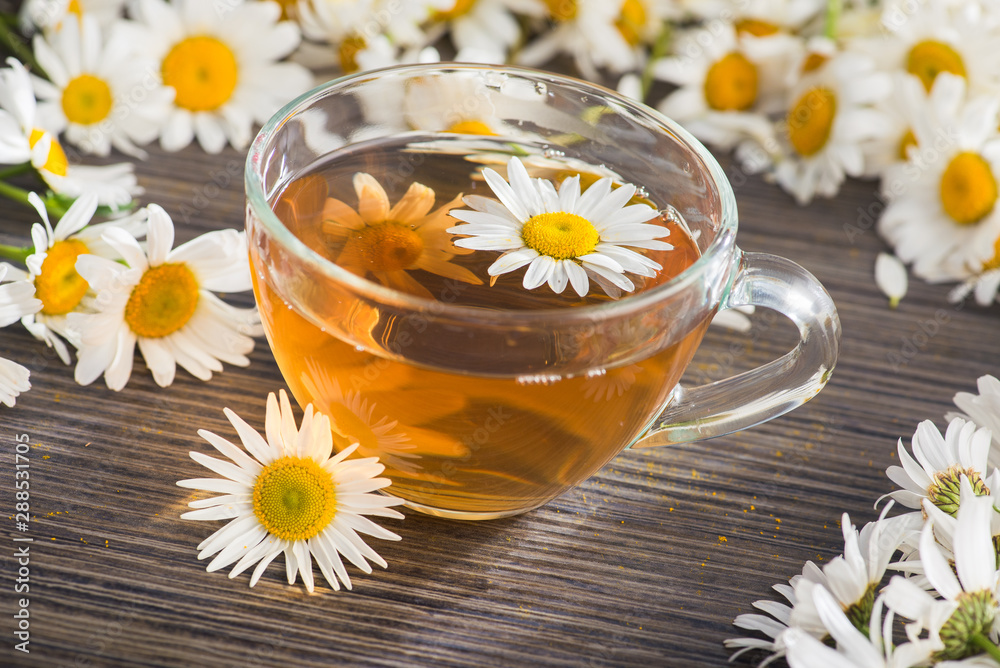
column 493, row 279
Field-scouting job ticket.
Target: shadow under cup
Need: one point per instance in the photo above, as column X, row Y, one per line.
column 481, row 412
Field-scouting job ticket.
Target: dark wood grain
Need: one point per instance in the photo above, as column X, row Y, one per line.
column 645, row 564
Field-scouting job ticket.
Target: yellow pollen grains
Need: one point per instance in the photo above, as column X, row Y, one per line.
column 731, row 83
column 562, row 10
column 203, row 71
column 929, row 58
column 560, row 235
column 905, row 142
column 388, row 246
column 86, row 100
column 470, row 127
column 348, row 52
column 163, row 301
column 460, row 8
column 58, row 286
column 810, row 121
column 294, row 498
column 756, row 27
column 968, row 188
column 56, row 161
column 631, row 22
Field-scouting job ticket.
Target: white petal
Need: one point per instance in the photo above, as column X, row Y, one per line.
column 891, row 278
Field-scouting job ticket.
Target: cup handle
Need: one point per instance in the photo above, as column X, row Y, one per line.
column 770, row 390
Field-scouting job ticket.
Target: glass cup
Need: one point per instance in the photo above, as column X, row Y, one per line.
column 479, row 410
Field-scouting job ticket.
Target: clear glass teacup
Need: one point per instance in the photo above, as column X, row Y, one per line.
column 484, row 398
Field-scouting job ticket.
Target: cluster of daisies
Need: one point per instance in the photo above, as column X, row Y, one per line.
column 915, row 589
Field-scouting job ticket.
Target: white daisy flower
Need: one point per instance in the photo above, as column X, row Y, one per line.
column 728, row 83
column 222, row 66
column 938, row 463
column 928, row 38
column 565, row 237
column 873, row 648
column 293, row 496
column 827, row 122
column 22, row 140
column 968, row 605
column 891, row 278
column 98, row 93
column 17, row 300
column 163, row 300
column 490, row 26
column 942, row 217
column 597, row 33
column 49, row 14
column 982, row 408
column 52, row 268
column 339, row 24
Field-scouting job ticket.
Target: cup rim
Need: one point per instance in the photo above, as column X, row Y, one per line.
column 381, row 294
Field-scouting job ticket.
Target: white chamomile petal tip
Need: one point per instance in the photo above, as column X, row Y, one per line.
column 891, row 278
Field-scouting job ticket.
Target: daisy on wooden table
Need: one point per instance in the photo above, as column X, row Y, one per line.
column 52, row 267
column 564, row 238
column 293, row 496
column 17, row 300
column 163, row 300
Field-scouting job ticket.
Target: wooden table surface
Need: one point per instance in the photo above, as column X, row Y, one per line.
column 646, row 564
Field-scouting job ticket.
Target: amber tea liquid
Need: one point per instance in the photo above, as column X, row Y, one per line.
column 487, row 441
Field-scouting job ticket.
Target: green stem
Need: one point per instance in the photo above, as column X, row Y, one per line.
column 983, row 643
column 833, row 8
column 21, row 195
column 15, row 253
column 660, row 48
column 12, row 42
column 16, row 170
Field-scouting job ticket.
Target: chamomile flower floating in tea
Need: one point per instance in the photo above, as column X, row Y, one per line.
column 387, row 242
column 23, row 140
column 90, row 95
column 52, row 267
column 163, row 300
column 564, row 238
column 222, row 66
column 293, row 497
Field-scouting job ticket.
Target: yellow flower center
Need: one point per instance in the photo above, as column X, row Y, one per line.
column 560, row 235
column 59, row 287
column 929, row 58
column 460, row 8
column 74, row 8
column 471, row 128
column 631, row 21
column 163, row 301
column 294, row 498
column 388, row 246
column 905, row 142
column 562, row 10
column 944, row 491
column 348, row 52
column 756, row 27
column 968, row 188
column 203, row 71
column 994, row 262
column 813, row 62
column 86, row 100
column 731, row 83
column 351, row 428
column 56, row 161
column 811, row 120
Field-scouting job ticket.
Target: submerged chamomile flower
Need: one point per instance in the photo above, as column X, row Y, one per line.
column 17, row 300
column 22, row 140
column 222, row 66
column 52, row 267
column 938, row 463
column 99, row 93
column 565, row 237
column 292, row 496
column 163, row 300
column 387, row 242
